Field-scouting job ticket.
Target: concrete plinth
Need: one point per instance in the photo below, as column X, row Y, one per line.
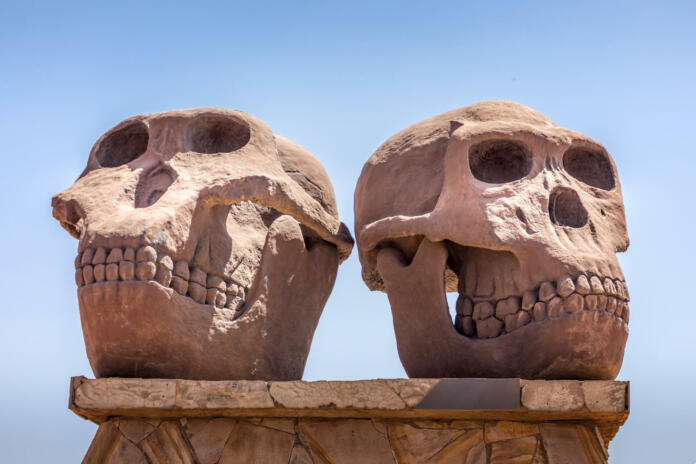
column 369, row 421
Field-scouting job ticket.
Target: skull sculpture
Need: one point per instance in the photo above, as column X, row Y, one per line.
column 523, row 219
column 208, row 247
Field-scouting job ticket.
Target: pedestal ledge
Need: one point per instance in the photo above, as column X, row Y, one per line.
column 385, row 420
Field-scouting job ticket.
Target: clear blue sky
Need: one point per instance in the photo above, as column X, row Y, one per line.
column 339, row 78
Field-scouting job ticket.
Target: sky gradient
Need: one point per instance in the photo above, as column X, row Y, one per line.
column 340, row 78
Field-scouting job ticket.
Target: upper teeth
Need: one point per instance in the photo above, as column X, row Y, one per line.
column 100, row 264
column 488, row 319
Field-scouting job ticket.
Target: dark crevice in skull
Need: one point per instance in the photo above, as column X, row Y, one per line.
column 217, row 134
column 499, row 161
column 153, row 184
column 123, row 145
column 590, row 167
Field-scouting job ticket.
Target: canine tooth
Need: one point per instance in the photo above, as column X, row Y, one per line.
column 216, row 282
column 99, row 256
column 612, row 304
column 164, row 270
column 601, row 302
column 79, row 277
column 111, row 271
column 574, row 303
column 591, row 302
column 523, row 318
column 146, row 253
column 609, row 287
column 488, row 328
column 596, row 285
column 145, row 270
column 129, row 254
column 464, row 306
column 507, row 306
column 179, row 285
column 565, row 285
column 99, row 273
column 87, row 256
column 582, row 285
column 529, row 299
column 181, row 269
column 483, row 310
column 510, row 322
column 126, row 270
column 197, row 292
column 539, row 311
column 88, row 274
column 198, row 276
column 115, row 256
column 556, row 307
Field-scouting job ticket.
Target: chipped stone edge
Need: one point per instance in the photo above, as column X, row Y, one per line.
column 268, row 406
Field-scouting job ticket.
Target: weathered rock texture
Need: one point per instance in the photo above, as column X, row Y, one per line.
column 523, row 219
column 208, row 247
column 376, row 421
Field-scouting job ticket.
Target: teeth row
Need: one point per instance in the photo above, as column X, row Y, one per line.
column 487, row 319
column 101, row 264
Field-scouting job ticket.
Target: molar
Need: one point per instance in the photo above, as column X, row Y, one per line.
column 126, row 270
column 574, row 303
column 88, row 273
column 164, row 270
column 546, row 291
column 555, row 307
column 488, row 328
column 465, row 325
column 591, row 302
column 115, row 256
column 129, row 254
column 609, row 287
column 198, row 276
column 483, row 310
column 539, row 311
column 197, row 292
column 100, row 272
column 99, row 256
column 601, row 302
column 582, row 285
column 111, row 271
column 464, row 306
column 146, row 253
column 145, row 270
column 79, row 277
column 508, row 306
column 529, row 299
column 179, row 285
column 612, row 305
column 565, row 285
column 181, row 270
column 596, row 285
column 87, row 256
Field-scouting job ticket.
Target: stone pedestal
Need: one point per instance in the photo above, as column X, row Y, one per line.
column 370, row 421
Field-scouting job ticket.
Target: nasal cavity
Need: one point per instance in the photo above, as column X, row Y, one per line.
column 153, row 185
column 566, row 209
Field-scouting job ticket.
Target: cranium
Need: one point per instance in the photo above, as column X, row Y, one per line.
column 522, row 218
column 208, row 247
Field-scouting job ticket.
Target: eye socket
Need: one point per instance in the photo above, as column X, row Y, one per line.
column 217, row 134
column 123, row 146
column 591, row 167
column 499, row 161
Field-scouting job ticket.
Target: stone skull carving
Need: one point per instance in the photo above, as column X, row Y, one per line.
column 208, row 247
column 523, row 219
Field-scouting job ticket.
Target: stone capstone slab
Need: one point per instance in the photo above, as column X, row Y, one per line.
column 370, row 421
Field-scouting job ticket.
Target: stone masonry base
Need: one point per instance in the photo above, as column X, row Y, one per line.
column 372, row 421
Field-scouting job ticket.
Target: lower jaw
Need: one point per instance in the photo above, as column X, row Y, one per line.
column 142, row 329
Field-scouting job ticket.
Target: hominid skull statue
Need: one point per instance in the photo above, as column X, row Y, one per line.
column 523, row 219
column 208, row 247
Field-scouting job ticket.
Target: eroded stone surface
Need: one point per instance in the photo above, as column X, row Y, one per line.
column 519, row 216
column 189, row 223
column 555, row 395
column 367, row 394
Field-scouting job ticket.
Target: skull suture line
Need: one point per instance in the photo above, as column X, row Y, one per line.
column 523, row 219
column 208, row 247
